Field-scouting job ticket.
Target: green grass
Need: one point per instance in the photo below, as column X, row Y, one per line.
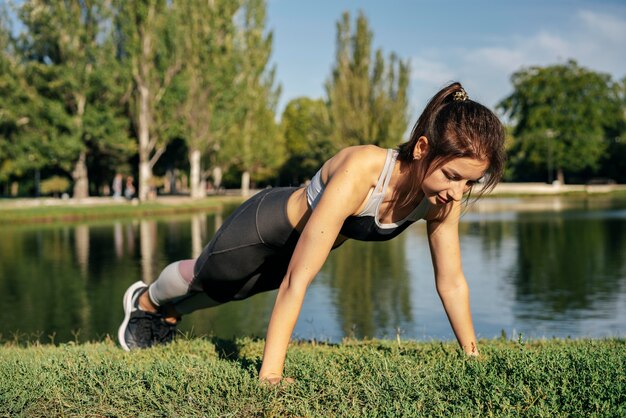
column 209, row 377
column 72, row 213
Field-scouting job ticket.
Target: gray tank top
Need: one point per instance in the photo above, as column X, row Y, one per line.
column 366, row 226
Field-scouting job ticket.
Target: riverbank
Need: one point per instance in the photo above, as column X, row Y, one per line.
column 45, row 210
column 544, row 189
column 203, row 377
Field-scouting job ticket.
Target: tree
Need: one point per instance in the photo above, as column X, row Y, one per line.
column 367, row 101
column 561, row 115
column 613, row 165
column 209, row 72
column 71, row 62
column 13, row 93
column 151, row 48
column 305, row 127
column 254, row 146
column 33, row 129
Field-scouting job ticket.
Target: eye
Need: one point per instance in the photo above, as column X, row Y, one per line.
column 451, row 177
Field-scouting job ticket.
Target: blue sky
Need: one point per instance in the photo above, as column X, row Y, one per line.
column 480, row 43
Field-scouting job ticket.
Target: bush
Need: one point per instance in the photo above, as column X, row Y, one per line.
column 54, row 185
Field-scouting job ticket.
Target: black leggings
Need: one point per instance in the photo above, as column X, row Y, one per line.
column 250, row 253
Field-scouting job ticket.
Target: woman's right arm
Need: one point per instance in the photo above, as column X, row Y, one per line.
column 347, row 186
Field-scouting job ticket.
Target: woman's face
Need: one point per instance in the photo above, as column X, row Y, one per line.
column 453, row 179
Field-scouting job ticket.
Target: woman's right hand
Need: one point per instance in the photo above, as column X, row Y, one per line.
column 276, row 379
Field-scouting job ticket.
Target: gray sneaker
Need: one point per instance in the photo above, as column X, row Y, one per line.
column 136, row 329
column 141, row 329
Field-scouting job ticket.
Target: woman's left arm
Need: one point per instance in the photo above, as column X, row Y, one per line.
column 445, row 250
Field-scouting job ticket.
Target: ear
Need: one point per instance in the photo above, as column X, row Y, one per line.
column 421, row 148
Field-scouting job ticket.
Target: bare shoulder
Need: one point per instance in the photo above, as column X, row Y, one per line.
column 364, row 161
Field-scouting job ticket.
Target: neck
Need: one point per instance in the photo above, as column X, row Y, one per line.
column 406, row 190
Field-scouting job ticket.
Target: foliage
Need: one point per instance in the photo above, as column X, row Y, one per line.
column 150, row 32
column 208, row 74
column 371, row 378
column 254, row 147
column 367, row 100
column 33, row 129
column 55, row 185
column 562, row 114
column 613, row 165
column 70, row 62
column 305, row 126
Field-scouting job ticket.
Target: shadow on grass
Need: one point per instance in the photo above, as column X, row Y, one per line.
column 230, row 350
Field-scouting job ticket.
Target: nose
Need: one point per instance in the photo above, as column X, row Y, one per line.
column 457, row 190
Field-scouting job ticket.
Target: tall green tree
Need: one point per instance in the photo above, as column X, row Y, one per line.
column 152, row 50
column 562, row 114
column 305, row 127
column 208, row 73
column 12, row 92
column 367, row 96
column 33, row 128
column 255, row 147
column 70, row 55
column 613, row 165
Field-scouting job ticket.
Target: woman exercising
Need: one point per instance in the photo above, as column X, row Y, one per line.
column 281, row 237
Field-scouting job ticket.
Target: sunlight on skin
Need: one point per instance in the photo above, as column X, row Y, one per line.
column 452, row 180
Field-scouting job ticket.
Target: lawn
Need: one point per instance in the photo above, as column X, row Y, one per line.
column 213, row 378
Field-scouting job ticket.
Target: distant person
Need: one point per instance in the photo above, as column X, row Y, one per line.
column 116, row 186
column 129, row 190
column 281, row 237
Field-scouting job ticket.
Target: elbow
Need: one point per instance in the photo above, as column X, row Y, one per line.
column 452, row 287
column 294, row 285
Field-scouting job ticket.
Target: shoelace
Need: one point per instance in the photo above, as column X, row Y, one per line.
column 162, row 332
column 142, row 325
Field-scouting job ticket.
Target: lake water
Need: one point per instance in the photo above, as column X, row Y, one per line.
column 550, row 267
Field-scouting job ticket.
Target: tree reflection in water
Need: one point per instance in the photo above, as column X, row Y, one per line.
column 569, row 262
column 538, row 272
column 372, row 286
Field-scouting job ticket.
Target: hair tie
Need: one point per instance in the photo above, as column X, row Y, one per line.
column 460, row 96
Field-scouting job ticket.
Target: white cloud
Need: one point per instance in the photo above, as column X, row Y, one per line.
column 598, row 42
column 430, row 71
column 607, row 26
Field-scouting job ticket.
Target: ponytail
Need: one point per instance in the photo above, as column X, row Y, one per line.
column 455, row 127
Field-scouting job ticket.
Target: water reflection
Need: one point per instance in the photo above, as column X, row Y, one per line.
column 371, row 286
column 542, row 273
column 595, row 269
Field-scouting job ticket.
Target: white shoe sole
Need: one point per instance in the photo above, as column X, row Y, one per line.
column 128, row 309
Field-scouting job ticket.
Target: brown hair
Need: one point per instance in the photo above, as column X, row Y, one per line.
column 455, row 127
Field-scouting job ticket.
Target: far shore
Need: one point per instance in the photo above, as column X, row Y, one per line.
column 555, row 189
column 506, row 197
column 502, row 189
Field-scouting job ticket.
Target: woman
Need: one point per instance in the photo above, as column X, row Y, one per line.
column 280, row 238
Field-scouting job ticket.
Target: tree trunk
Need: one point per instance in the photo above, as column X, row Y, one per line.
column 560, row 177
column 79, row 175
column 245, row 184
column 198, row 190
column 145, row 170
column 217, row 178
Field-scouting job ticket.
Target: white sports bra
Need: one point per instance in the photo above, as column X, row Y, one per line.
column 315, row 190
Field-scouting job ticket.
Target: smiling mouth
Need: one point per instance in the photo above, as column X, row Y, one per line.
column 442, row 200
